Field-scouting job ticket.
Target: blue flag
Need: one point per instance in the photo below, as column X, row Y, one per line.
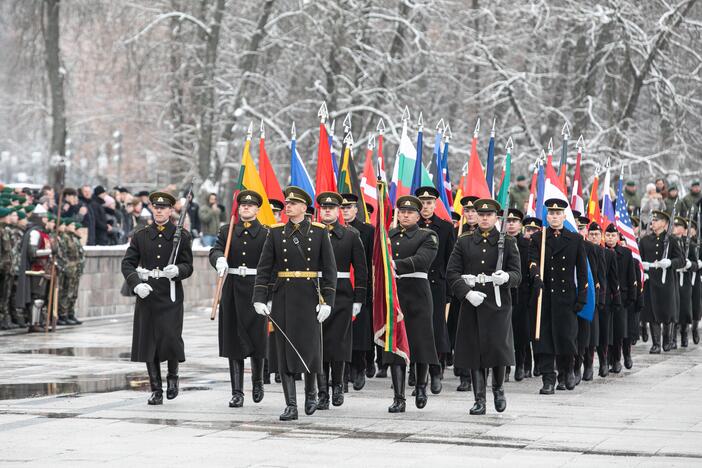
column 490, row 168
column 417, row 174
column 298, row 173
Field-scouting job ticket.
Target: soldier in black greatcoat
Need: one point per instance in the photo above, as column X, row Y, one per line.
column 684, row 275
column 521, row 294
column 337, row 331
column 158, row 320
column 660, row 298
column 484, row 338
column 297, row 265
column 627, row 287
column 437, row 279
column 588, row 330
column 564, row 295
column 696, row 285
column 242, row 332
column 413, row 250
column 271, row 361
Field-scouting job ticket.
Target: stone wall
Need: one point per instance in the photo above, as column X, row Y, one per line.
column 99, row 292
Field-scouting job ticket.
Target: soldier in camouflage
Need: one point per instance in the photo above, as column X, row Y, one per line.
column 70, row 259
column 8, row 218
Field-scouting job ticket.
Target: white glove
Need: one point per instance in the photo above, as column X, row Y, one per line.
column 646, row 265
column 269, row 304
column 143, row 273
column 500, row 277
column 688, row 265
column 699, row 264
column 142, row 290
column 222, row 266
column 664, row 263
column 170, row 272
column 476, row 297
column 470, row 280
column 261, row 308
column 645, row 277
column 356, row 308
column 323, row 311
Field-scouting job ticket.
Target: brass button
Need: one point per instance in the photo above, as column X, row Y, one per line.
column 244, row 242
column 159, row 246
column 285, row 250
column 563, row 268
column 285, row 259
column 287, row 279
column 283, row 241
column 158, row 256
column 160, row 235
column 482, row 261
column 243, row 253
column 309, row 259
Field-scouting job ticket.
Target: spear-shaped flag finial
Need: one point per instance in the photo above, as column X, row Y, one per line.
column 581, row 143
column 420, row 122
column 371, row 141
column 263, row 130
column 477, row 128
column 293, row 134
column 492, row 131
column 380, row 127
column 348, row 139
column 405, row 115
column 249, row 132
column 323, row 113
column 542, row 156
column 440, row 126
column 447, row 132
column 565, row 131
column 347, row 123
column 509, row 145
column 550, row 146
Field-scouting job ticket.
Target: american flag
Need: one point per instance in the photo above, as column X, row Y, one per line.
column 625, row 228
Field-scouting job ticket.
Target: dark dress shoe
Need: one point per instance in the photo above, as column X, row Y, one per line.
column 370, row 372
column 171, row 386
column 560, row 386
column 257, row 392
column 518, row 373
column 420, row 401
column 61, row 321
column 290, row 414
column 464, row 386
column 570, row 381
column 537, row 372
column 323, row 402
column 547, row 389
column 436, row 384
column 382, row 373
column 604, row 371
column 616, row 367
column 683, row 341
column 500, row 400
column 310, row 404
column 156, row 398
column 345, row 386
column 527, row 374
column 337, row 395
column 644, row 334
column 237, row 401
column 72, row 320
column 578, row 376
column 35, row 329
column 277, row 377
column 628, row 362
column 667, row 347
column 360, row 381
column 695, row 336
column 588, row 374
column 478, row 408
column 398, row 406
column 655, row 349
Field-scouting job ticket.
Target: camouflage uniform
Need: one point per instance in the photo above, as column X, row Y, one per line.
column 18, row 314
column 5, row 275
column 71, row 259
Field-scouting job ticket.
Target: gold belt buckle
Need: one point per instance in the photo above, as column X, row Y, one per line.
column 297, row 274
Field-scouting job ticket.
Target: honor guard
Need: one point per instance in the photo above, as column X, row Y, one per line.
column 297, row 267
column 271, row 361
column 564, row 295
column 587, row 330
column 337, row 329
column 413, row 250
column 626, row 281
column 482, row 274
column 242, row 332
column 437, row 279
column 158, row 318
column 696, row 283
column 685, row 279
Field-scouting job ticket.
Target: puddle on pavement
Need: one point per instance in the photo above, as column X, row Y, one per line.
column 121, row 353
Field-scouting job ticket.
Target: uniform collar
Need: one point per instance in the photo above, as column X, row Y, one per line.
column 253, row 227
column 290, row 227
column 336, row 228
column 168, row 231
column 492, row 236
column 409, row 232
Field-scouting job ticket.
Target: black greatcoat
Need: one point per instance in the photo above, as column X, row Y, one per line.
column 660, row 299
column 586, row 329
column 627, row 292
column 363, row 325
column 565, row 263
column 484, row 336
column 437, row 279
column 696, row 287
column 348, row 252
column 242, row 332
column 158, row 322
column 686, row 287
column 612, row 305
column 305, row 247
column 413, row 251
column 522, row 297
column 635, row 307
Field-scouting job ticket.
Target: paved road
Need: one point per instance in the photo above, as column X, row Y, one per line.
column 74, row 398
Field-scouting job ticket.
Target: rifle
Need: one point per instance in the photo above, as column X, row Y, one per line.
column 669, row 233
column 178, row 236
column 687, row 248
column 501, row 249
column 227, row 248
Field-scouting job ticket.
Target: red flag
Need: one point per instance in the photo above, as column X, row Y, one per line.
column 268, row 178
column 368, row 185
column 475, row 183
column 576, row 196
column 326, row 180
column 593, row 208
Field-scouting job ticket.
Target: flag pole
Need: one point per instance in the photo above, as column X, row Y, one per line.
column 539, row 301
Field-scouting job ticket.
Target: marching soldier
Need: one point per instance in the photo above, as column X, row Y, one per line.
column 158, row 319
column 484, row 337
column 414, row 249
column 437, row 279
column 521, row 294
column 696, row 285
column 242, row 332
column 660, row 298
column 588, row 331
column 527, row 300
column 685, row 279
column 468, row 227
column 626, row 280
column 564, row 295
column 300, row 251
column 271, row 361
column 337, row 329
column 362, row 364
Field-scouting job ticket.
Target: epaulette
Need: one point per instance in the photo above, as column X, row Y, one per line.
column 276, row 225
column 319, row 225
column 466, row 233
column 431, row 231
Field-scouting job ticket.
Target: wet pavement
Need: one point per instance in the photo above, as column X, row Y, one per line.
column 74, row 398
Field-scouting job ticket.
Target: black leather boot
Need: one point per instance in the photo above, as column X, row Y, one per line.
column 435, row 373
column 695, row 332
column 528, row 363
column 577, row 368
column 323, row 387
column 266, row 372
column 154, row 370
column 236, row 376
column 667, row 343
column 310, row 393
column 397, row 373
column 172, row 379
column 420, row 399
column 478, row 378
column 626, row 351
column 290, row 412
column 644, row 332
column 412, row 379
column 498, row 392
column 519, row 372
column 358, row 370
column 616, row 358
column 465, row 385
column 683, row 335
column 257, row 379
column 674, row 328
column 602, row 359
column 588, row 359
column 548, row 380
column 337, row 372
column 655, row 338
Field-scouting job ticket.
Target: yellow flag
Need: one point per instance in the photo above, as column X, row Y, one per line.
column 252, row 181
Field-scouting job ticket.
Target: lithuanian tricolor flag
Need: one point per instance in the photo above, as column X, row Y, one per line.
column 388, row 324
column 250, row 180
